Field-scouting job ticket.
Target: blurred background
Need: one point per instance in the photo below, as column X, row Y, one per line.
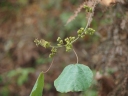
column 105, row 52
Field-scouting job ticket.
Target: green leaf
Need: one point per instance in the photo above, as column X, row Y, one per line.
column 74, row 78
column 38, row 87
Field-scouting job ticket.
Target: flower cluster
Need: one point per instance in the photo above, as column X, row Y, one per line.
column 60, row 42
column 53, row 52
column 69, row 41
column 87, row 8
column 42, row 42
column 81, row 32
column 90, row 31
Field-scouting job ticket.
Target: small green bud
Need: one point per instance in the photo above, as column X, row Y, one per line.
column 90, row 31
column 90, row 9
column 85, row 6
column 44, row 43
column 82, row 29
column 68, row 47
column 85, row 32
column 67, row 40
column 37, row 42
column 59, row 45
column 58, row 39
column 79, row 35
column 78, row 31
column 61, row 41
column 87, row 9
column 54, row 50
column 51, row 55
column 82, row 36
column 73, row 38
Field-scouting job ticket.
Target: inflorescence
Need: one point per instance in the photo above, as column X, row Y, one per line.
column 67, row 42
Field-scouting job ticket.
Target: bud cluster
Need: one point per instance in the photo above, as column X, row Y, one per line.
column 60, row 42
column 87, row 8
column 81, row 32
column 42, row 42
column 90, row 31
column 53, row 52
column 69, row 41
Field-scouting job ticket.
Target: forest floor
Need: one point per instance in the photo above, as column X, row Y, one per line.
column 21, row 61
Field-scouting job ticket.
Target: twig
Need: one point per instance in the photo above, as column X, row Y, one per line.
column 76, row 55
column 88, row 23
column 89, row 20
column 48, row 68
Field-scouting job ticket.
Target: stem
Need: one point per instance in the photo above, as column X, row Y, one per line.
column 88, row 23
column 48, row 68
column 76, row 55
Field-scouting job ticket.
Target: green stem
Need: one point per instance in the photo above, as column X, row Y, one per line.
column 88, row 23
column 48, row 68
column 76, row 55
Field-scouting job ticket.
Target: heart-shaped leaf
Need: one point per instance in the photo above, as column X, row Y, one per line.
column 75, row 77
column 38, row 87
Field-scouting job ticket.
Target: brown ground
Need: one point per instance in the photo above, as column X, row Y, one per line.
column 106, row 52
